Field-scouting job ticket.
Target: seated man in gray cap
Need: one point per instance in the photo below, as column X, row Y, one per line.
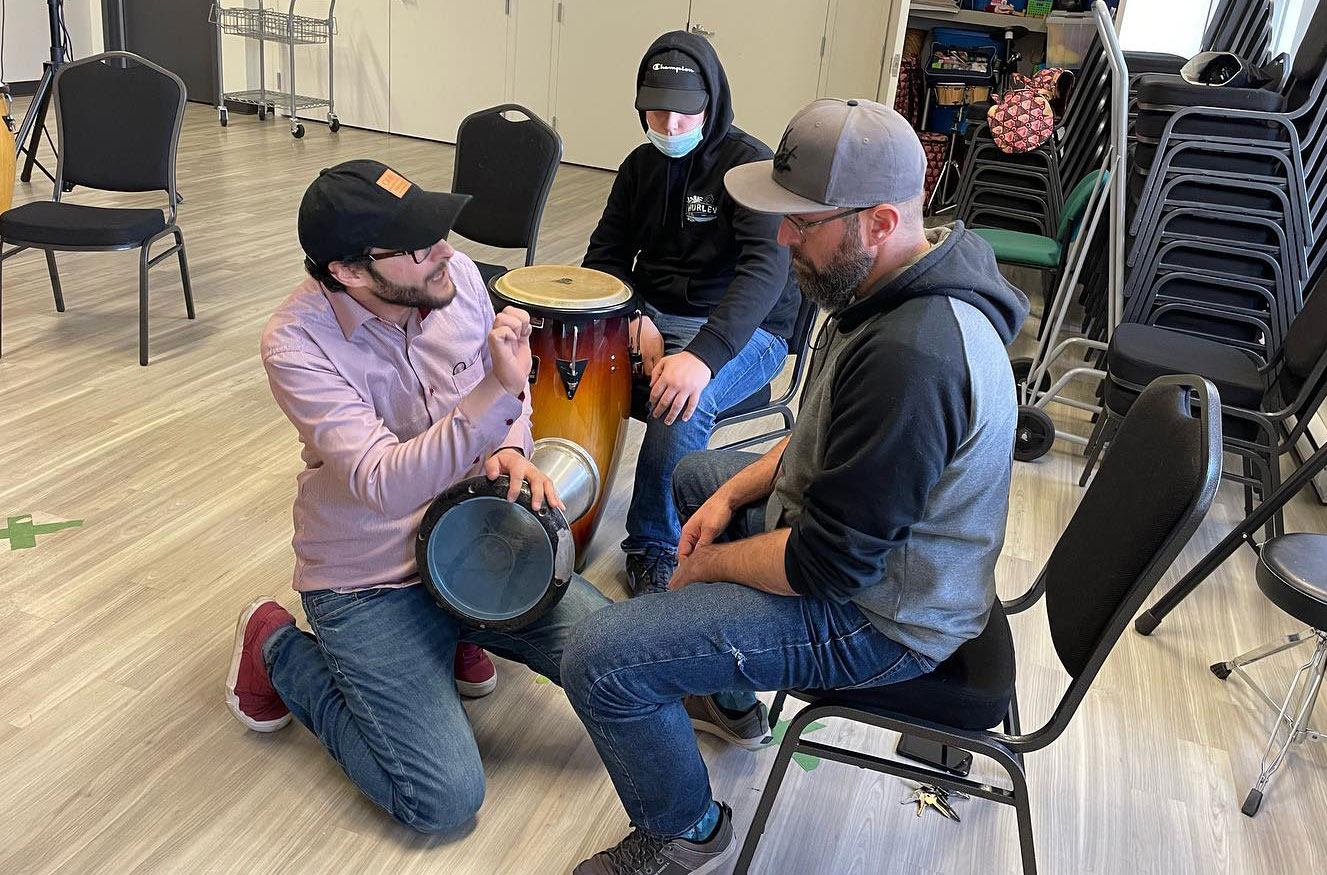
column 861, row 550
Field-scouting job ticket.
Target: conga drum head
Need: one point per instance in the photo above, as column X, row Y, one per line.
column 492, row 563
column 563, row 291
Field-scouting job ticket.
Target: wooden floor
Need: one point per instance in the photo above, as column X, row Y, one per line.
column 117, row 754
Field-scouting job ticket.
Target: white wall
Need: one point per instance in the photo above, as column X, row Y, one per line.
column 27, row 35
column 1171, row 26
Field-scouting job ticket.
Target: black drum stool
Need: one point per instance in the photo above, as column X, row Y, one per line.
column 1292, row 573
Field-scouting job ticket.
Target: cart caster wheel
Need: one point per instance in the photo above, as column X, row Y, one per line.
column 271, row 110
column 1034, row 435
column 262, row 113
column 334, row 124
column 1251, row 803
column 1220, row 669
column 297, row 132
column 1022, row 368
column 224, row 118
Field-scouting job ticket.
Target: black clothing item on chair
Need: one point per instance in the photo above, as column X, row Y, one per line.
column 1159, row 89
column 61, row 224
column 1292, row 573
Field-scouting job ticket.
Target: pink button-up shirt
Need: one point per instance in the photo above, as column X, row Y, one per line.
column 389, row 417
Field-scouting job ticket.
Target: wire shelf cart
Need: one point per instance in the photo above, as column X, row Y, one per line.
column 281, row 28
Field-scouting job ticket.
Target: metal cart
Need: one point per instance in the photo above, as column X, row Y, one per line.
column 282, row 28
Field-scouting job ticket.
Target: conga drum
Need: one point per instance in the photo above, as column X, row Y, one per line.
column 580, row 381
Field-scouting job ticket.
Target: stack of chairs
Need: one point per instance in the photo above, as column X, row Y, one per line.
column 1229, row 236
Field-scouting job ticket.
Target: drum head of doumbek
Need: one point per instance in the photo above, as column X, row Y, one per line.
column 495, row 564
column 563, row 290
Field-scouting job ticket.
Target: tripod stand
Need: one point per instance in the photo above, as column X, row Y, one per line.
column 29, row 133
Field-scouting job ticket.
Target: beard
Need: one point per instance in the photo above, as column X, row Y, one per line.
column 434, row 293
column 834, row 286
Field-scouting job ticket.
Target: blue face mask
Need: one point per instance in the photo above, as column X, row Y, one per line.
column 677, row 145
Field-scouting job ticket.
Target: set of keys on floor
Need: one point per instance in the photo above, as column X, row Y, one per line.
column 926, row 796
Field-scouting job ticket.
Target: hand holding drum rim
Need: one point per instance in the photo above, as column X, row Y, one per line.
column 520, row 469
column 509, row 347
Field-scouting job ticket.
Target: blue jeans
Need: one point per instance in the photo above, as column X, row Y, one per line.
column 627, row 667
column 376, row 687
column 651, row 519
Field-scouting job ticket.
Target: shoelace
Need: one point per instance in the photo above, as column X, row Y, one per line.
column 471, row 656
column 657, row 571
column 634, row 851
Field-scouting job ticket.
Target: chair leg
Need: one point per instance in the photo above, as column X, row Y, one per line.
column 776, row 776
column 1023, row 808
column 184, row 274
column 142, row 306
column 55, row 281
column 1103, row 432
column 1287, row 730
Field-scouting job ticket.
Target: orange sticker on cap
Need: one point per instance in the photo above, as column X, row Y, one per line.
column 394, row 182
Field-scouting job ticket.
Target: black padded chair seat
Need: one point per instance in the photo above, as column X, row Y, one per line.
column 1161, row 89
column 61, row 224
column 1150, row 125
column 489, row 272
column 640, row 401
column 969, row 690
column 1141, row 353
column 1153, row 62
column 1249, row 165
column 1292, row 573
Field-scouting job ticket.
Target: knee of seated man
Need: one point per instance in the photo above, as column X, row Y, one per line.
column 594, row 650
column 443, row 801
column 688, row 476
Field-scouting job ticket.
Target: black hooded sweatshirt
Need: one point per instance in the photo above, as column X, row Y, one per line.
column 671, row 232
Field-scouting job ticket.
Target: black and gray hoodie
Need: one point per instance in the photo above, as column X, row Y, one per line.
column 895, row 481
column 671, row 232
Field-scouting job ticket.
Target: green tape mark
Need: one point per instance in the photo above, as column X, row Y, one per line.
column 22, row 534
column 805, row 760
column 540, row 679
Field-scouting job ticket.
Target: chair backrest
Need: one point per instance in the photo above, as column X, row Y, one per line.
column 507, row 167
column 1155, row 485
column 802, row 327
column 119, row 117
column 1304, row 351
column 1076, row 204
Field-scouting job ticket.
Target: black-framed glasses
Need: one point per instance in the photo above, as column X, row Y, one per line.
column 802, row 227
column 416, row 255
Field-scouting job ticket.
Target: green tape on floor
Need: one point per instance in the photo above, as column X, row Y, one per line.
column 805, row 760
column 540, row 679
column 22, row 534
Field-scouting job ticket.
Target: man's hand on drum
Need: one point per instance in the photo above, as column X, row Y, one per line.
column 509, row 461
column 676, row 382
column 509, row 347
column 646, row 340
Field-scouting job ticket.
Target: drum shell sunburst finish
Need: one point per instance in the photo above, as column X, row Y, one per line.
column 586, row 405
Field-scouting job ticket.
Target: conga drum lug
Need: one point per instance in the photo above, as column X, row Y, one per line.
column 571, row 373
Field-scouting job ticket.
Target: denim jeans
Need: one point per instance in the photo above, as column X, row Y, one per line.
column 651, row 519
column 627, row 667
column 376, row 687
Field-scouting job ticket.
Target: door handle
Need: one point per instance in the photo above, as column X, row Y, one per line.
column 700, row 29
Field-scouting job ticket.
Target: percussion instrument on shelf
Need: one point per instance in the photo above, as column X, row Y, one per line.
column 492, row 563
column 580, row 381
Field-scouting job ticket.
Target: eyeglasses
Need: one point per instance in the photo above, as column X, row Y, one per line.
column 417, row 256
column 802, row 227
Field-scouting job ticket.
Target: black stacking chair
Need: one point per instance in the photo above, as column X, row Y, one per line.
column 759, row 404
column 507, row 167
column 1262, row 402
column 1154, row 488
column 118, row 116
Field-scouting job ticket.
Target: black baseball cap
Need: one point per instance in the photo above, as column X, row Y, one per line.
column 361, row 204
column 671, row 82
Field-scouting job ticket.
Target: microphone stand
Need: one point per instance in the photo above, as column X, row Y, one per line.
column 29, row 133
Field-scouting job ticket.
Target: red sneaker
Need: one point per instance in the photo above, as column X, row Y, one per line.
column 249, row 693
column 475, row 673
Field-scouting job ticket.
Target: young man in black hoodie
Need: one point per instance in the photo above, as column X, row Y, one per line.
column 713, row 284
column 860, row 551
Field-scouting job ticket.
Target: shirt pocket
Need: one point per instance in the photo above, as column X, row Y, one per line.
column 467, row 373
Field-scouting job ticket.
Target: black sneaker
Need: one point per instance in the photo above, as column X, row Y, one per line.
column 640, row 854
column 650, row 570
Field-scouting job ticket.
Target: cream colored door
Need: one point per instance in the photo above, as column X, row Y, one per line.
column 448, row 59
column 772, row 51
column 597, row 50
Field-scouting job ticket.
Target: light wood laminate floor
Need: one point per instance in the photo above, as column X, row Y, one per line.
column 117, row 754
